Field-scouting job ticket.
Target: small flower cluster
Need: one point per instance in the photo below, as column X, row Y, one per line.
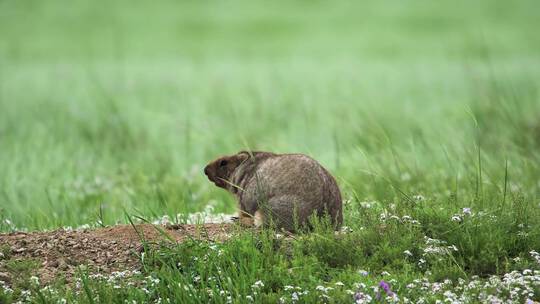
column 437, row 247
column 5, row 288
column 320, row 293
column 368, row 205
column 467, row 213
column 435, row 250
column 513, row 287
column 7, row 225
column 206, row 217
column 228, row 296
column 459, row 217
column 536, row 256
column 115, row 276
column 361, row 298
column 405, row 219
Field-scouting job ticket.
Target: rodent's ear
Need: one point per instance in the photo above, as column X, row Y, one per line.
column 243, row 156
column 249, row 153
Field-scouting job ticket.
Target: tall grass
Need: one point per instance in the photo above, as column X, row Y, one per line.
column 419, row 109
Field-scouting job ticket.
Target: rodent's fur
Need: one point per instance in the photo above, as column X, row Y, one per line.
column 285, row 189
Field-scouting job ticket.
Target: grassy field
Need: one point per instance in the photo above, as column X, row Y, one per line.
column 428, row 114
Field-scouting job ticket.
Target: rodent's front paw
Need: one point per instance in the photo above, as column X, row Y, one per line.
column 246, row 221
column 234, row 219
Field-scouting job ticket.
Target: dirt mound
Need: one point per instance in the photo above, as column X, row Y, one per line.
column 58, row 253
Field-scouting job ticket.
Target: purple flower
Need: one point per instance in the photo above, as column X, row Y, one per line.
column 386, row 287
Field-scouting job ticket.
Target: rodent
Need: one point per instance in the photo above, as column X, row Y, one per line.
column 283, row 189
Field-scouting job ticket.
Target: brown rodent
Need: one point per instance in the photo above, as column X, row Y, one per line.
column 283, row 189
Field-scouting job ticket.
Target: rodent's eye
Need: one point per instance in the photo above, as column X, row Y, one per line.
column 222, row 163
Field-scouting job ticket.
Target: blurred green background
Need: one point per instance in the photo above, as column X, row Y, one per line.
column 119, row 104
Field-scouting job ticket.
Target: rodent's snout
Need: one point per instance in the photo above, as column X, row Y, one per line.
column 206, row 170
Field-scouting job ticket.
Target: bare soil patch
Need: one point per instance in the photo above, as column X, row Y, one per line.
column 59, row 253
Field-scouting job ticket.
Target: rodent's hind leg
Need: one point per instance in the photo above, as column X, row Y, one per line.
column 286, row 211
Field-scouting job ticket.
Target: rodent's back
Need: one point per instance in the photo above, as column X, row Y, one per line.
column 290, row 174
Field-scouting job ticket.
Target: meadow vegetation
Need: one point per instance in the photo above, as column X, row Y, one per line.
column 427, row 113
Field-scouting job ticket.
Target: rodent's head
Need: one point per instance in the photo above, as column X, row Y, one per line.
column 221, row 170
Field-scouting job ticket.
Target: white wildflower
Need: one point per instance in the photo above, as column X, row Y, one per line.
column 535, row 255
column 419, row 197
column 288, row 287
column 257, row 284
column 34, row 280
column 362, row 298
column 366, row 205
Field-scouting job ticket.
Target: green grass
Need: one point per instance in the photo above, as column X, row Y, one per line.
column 421, row 108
